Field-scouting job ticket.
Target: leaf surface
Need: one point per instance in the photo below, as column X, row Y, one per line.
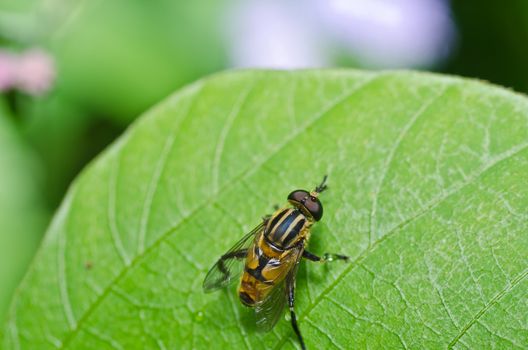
column 427, row 194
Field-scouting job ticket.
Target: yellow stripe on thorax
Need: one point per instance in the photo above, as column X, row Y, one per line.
column 290, row 228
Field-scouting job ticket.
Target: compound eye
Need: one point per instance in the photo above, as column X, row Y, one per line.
column 298, row 196
column 314, row 206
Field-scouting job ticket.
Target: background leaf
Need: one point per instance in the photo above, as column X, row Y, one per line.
column 428, row 191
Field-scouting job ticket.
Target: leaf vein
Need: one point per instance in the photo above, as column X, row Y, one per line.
column 438, row 290
column 153, row 184
column 63, row 283
column 219, row 149
column 325, row 333
column 491, row 303
column 392, row 151
column 365, row 319
column 152, row 188
column 239, row 324
column 104, row 338
column 112, row 220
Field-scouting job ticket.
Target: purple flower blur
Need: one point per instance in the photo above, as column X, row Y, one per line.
column 273, row 34
column 391, row 33
column 306, row 33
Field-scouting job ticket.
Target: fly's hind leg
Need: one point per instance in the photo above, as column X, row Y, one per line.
column 238, row 254
column 327, row 257
column 290, row 284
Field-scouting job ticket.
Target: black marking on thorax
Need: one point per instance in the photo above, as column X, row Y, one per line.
column 263, row 261
column 284, row 227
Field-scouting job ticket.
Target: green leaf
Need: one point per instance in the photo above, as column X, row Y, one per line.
column 427, row 194
column 22, row 213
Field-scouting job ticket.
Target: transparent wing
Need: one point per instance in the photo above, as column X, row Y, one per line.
column 228, row 268
column 269, row 310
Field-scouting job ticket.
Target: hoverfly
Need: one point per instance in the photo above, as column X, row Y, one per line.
column 272, row 252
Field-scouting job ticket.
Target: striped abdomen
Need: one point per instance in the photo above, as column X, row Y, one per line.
column 284, row 228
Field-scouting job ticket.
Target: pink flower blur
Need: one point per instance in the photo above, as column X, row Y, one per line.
column 32, row 72
column 35, row 72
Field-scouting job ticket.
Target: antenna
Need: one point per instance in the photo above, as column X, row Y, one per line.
column 322, row 186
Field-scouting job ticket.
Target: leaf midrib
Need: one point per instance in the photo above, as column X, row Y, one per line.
column 250, row 170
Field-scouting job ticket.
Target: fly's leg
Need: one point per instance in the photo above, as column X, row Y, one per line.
column 238, row 254
column 327, row 257
column 291, row 302
column 268, row 216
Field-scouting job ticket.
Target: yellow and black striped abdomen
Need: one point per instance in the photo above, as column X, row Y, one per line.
column 265, row 267
column 284, row 228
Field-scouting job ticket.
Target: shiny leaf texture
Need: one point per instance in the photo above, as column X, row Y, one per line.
column 427, row 194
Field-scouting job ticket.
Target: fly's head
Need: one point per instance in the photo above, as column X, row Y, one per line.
column 308, row 202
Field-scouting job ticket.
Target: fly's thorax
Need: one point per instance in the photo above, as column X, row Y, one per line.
column 287, row 227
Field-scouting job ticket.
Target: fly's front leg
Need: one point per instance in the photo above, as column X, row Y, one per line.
column 327, row 257
column 291, row 302
column 268, row 216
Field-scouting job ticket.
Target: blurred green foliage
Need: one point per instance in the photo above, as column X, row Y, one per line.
column 22, row 211
column 118, row 58
column 65, row 137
